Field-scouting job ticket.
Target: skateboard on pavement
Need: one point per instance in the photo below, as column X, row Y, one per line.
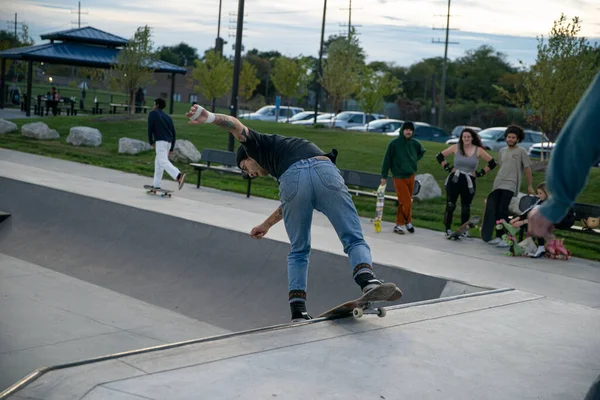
column 488, row 225
column 464, row 228
column 379, row 208
column 163, row 192
column 364, row 305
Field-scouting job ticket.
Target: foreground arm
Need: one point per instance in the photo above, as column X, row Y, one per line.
column 199, row 115
column 576, row 150
column 261, row 230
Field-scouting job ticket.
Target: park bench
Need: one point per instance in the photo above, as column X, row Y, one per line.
column 228, row 165
column 358, row 180
column 125, row 107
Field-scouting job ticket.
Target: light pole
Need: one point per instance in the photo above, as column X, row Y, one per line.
column 236, row 67
column 320, row 70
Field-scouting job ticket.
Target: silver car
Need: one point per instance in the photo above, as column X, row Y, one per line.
column 269, row 113
column 493, row 138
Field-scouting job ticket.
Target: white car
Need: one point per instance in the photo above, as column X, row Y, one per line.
column 301, row 116
column 535, row 151
column 268, row 113
column 321, row 119
column 347, row 119
column 380, row 126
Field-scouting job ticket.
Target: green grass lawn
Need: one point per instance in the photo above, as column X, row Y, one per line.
column 358, row 151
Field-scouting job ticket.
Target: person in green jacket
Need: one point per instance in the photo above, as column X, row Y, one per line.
column 401, row 157
column 576, row 151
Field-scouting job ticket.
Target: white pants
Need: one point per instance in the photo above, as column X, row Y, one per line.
column 162, row 163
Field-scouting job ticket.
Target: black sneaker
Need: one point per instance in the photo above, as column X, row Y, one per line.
column 300, row 317
column 410, row 228
column 299, row 313
column 181, row 180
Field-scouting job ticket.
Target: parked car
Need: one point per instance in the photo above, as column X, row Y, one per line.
column 459, row 128
column 535, row 151
column 301, row 116
column 321, row 119
column 426, row 132
column 380, row 125
column 493, row 138
column 268, row 113
column 348, row 119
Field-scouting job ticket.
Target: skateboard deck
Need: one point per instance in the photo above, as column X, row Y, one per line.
column 163, row 192
column 488, row 225
column 364, row 305
column 464, row 228
column 379, row 208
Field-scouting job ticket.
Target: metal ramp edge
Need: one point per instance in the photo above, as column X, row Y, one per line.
column 37, row 373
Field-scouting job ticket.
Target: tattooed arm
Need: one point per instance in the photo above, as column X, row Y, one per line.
column 261, row 230
column 199, row 115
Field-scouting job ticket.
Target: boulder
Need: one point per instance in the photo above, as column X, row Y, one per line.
column 185, row 152
column 7, row 126
column 132, row 146
column 39, row 130
column 429, row 187
column 84, row 136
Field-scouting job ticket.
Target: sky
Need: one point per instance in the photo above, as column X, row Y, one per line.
column 401, row 32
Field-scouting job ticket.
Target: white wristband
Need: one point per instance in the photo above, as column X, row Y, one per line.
column 210, row 118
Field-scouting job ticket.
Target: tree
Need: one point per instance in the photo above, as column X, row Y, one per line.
column 341, row 70
column 214, row 76
column 9, row 41
column 290, row 77
column 564, row 67
column 478, row 70
column 182, row 54
column 374, row 87
column 133, row 67
column 248, row 81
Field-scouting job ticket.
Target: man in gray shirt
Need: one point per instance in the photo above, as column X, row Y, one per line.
column 513, row 161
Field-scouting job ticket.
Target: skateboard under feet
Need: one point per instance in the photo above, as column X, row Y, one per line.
column 163, row 192
column 387, row 291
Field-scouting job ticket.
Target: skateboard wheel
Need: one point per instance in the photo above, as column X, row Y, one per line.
column 381, row 312
column 357, row 313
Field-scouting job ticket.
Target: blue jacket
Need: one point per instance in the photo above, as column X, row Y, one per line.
column 160, row 127
column 576, row 150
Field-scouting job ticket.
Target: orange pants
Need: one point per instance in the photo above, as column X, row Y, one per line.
column 404, row 191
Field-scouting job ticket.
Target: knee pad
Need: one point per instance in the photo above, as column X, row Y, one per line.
column 450, row 206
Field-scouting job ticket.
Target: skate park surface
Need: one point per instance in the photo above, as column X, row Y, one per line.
column 91, row 266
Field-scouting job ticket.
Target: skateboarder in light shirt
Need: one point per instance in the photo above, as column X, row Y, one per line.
column 513, row 161
column 461, row 178
column 308, row 180
column 161, row 136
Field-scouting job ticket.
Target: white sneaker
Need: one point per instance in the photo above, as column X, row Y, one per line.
column 502, row 245
column 495, row 241
column 540, row 252
column 399, row 230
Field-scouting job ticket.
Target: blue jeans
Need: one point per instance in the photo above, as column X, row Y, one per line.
column 309, row 185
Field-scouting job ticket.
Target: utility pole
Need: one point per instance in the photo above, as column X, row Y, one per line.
column 444, row 69
column 237, row 63
column 320, row 72
column 16, row 25
column 349, row 20
column 78, row 12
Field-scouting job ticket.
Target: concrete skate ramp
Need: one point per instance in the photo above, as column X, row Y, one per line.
column 215, row 275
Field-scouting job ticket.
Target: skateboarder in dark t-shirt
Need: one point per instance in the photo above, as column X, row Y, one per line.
column 308, row 180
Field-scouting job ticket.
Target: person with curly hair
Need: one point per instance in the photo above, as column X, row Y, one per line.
column 513, row 162
column 462, row 176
